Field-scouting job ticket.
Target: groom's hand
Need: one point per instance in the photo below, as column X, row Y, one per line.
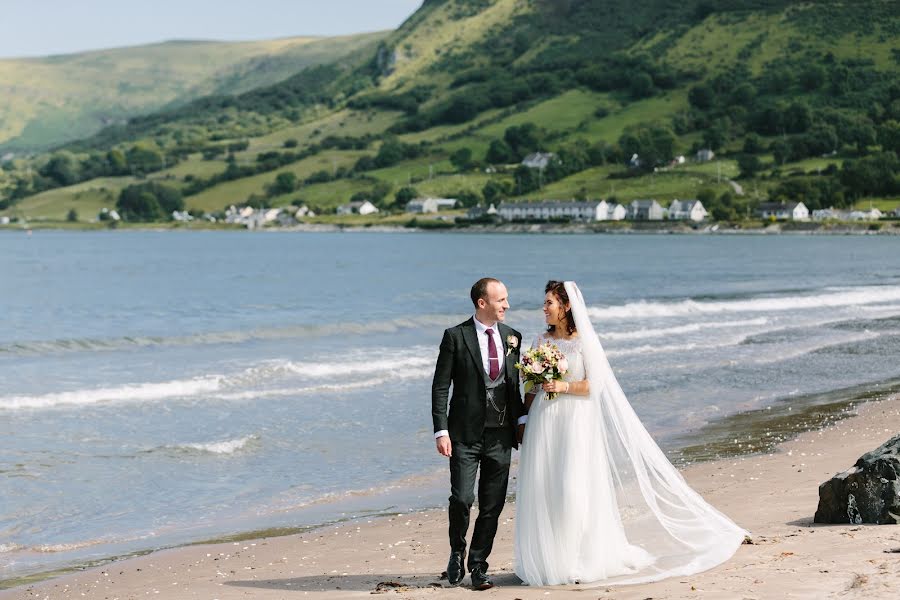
column 444, row 447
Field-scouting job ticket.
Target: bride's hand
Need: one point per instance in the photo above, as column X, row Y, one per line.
column 556, row 387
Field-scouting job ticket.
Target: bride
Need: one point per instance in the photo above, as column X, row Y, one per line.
column 597, row 500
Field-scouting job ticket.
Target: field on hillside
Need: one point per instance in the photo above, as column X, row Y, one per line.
column 48, row 101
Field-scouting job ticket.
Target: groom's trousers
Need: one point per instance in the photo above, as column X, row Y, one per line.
column 492, row 453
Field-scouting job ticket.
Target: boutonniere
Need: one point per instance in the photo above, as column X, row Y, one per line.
column 512, row 342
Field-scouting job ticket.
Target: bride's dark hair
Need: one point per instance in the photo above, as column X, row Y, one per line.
column 558, row 289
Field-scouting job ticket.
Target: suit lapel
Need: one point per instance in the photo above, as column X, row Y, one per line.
column 470, row 335
column 504, row 334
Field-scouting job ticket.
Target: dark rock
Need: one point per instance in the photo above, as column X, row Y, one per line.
column 869, row 492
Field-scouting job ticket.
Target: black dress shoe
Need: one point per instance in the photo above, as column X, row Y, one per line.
column 480, row 579
column 455, row 569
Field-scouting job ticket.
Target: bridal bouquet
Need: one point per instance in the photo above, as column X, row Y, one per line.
column 541, row 364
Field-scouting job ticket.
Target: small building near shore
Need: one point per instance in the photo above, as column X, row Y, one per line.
column 687, row 210
column 430, row 205
column 645, row 210
column 616, row 212
column 478, row 212
column 359, row 207
column 826, row 214
column 873, row 214
column 554, row 209
column 783, row 211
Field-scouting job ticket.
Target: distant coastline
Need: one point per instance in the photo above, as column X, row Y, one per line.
column 622, row 227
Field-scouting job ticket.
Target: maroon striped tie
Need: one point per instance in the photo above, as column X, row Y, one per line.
column 493, row 360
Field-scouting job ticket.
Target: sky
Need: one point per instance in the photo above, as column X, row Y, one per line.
column 46, row 27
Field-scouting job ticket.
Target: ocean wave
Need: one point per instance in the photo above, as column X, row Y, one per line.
column 65, row 345
column 641, row 334
column 8, row 547
column 222, row 447
column 142, row 392
column 672, row 348
column 410, row 364
column 56, row 548
column 828, row 299
column 405, row 374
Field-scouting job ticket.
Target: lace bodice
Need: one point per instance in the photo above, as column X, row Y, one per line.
column 572, row 349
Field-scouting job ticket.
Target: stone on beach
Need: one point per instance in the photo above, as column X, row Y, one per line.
column 869, row 492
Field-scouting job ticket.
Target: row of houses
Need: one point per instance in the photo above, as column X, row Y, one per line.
column 417, row 206
column 833, row 214
column 797, row 211
column 638, row 210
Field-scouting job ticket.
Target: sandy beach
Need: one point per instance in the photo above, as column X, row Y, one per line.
column 774, row 496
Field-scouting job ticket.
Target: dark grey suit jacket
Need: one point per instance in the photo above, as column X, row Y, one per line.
column 459, row 363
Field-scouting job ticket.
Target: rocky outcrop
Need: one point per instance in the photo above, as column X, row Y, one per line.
column 869, row 492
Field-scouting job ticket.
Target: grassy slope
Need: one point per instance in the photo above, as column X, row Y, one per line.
column 47, row 101
column 86, row 198
column 712, row 44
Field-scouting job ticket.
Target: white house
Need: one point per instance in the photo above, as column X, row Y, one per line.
column 896, row 212
column 705, row 155
column 579, row 211
column 109, row 215
column 788, row 211
column 538, row 160
column 359, row 207
column 477, row 212
column 430, row 205
column 4, row 220
column 824, row 214
column 873, row 214
column 616, row 212
column 687, row 210
column 251, row 218
column 645, row 210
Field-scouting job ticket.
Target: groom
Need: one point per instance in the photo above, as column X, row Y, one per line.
column 478, row 357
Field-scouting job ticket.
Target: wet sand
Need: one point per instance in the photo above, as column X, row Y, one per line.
column 773, row 495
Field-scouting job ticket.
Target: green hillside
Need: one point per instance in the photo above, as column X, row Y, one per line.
column 798, row 102
column 49, row 101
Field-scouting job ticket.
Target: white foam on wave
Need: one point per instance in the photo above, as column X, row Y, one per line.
column 376, row 367
column 829, row 299
column 55, row 548
column 642, row 334
column 327, row 387
column 223, row 447
column 9, row 547
column 672, row 348
column 400, row 361
column 141, row 392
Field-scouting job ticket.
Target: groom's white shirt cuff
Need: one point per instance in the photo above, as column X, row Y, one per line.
column 523, row 419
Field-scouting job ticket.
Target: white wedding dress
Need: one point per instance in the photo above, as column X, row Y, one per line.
column 597, row 500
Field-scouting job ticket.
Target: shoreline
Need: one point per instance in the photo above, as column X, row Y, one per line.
column 351, row 558
column 888, row 228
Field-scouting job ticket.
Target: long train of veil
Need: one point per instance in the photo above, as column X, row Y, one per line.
column 658, row 511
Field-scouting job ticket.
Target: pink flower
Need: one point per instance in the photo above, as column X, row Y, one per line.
column 562, row 365
column 537, row 368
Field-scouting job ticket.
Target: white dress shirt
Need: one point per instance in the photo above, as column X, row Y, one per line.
column 480, row 329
